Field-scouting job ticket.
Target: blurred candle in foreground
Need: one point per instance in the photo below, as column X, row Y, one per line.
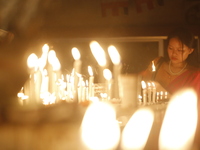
column 144, row 92
column 77, row 69
column 91, row 81
column 108, row 76
column 180, row 122
column 100, row 56
column 99, row 128
column 136, row 131
column 116, row 59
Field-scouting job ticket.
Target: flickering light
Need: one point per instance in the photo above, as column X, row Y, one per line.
column 114, row 55
column 136, row 131
column 99, row 128
column 76, row 54
column 180, row 121
column 98, row 53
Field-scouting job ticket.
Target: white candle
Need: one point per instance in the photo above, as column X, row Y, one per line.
column 30, row 87
column 91, row 81
column 153, row 92
column 77, row 69
column 149, row 92
column 180, row 122
column 100, row 57
column 144, row 92
column 115, row 57
column 108, row 76
column 153, row 71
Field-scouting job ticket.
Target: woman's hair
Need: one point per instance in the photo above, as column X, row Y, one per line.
column 186, row 38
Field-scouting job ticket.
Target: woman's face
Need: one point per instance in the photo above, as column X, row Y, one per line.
column 177, row 51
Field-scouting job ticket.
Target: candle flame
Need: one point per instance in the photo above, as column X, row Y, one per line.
column 45, row 48
column 90, row 71
column 76, row 54
column 99, row 129
column 180, row 121
column 107, row 74
column 114, row 55
column 53, row 60
column 98, row 53
column 143, row 85
column 32, row 60
column 153, row 67
column 136, row 131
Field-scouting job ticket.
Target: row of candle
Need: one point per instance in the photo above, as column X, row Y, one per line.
column 47, row 84
column 149, row 93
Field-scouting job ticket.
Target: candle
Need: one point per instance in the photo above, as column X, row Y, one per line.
column 115, row 57
column 108, row 76
column 153, row 92
column 180, row 122
column 77, row 69
column 136, row 131
column 30, row 84
column 153, row 71
column 149, row 92
column 91, row 82
column 144, row 92
column 54, row 72
column 99, row 128
column 100, row 57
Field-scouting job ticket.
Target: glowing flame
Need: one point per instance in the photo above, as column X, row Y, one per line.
column 136, row 131
column 143, row 85
column 98, row 53
column 76, row 54
column 90, row 71
column 180, row 121
column 32, row 60
column 45, row 48
column 53, row 60
column 107, row 74
column 153, row 67
column 99, row 129
column 114, row 55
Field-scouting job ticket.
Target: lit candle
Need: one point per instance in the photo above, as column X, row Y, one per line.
column 153, row 71
column 108, row 76
column 30, row 84
column 144, row 92
column 54, row 72
column 115, row 57
column 77, row 69
column 136, row 132
column 153, row 92
column 180, row 122
column 100, row 57
column 99, row 128
column 149, row 92
column 91, row 81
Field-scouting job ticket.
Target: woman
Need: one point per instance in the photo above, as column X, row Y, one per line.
column 178, row 70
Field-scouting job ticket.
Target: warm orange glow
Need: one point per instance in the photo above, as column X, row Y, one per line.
column 98, row 53
column 114, row 55
column 99, row 128
column 53, row 60
column 180, row 121
column 136, row 131
column 107, row 74
column 76, row 54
